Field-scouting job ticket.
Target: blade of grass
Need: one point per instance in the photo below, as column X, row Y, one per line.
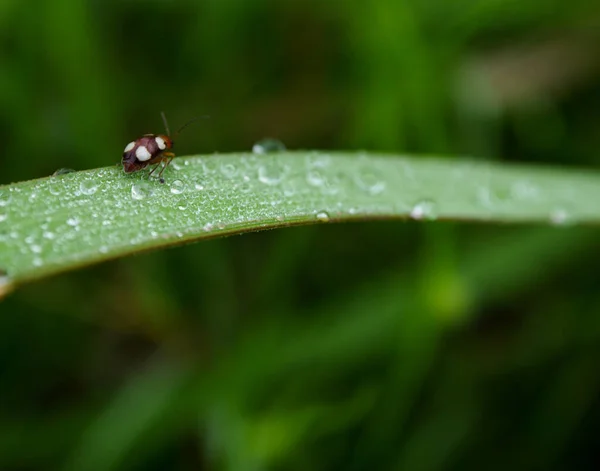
column 60, row 223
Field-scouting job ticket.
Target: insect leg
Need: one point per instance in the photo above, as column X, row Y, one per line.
column 167, row 156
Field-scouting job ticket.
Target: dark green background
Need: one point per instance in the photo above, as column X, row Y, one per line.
column 360, row 346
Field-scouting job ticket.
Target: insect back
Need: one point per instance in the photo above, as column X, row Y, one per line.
column 151, row 149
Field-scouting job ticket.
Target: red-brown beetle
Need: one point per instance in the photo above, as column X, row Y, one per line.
column 151, row 149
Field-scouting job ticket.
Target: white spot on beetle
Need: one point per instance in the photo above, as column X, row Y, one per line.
column 129, row 146
column 160, row 142
column 142, row 154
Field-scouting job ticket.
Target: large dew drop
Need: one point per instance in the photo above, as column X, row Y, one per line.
column 177, row 187
column 368, row 181
column 424, row 210
column 228, row 170
column 268, row 146
column 62, row 171
column 559, row 217
column 272, row 173
column 88, row 187
column 322, row 216
column 141, row 190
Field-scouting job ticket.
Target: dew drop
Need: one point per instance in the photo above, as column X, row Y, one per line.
column 176, row 165
column 54, row 189
column 177, row 187
column 289, row 189
column 48, row 235
column 322, row 216
column 198, row 187
column 331, row 186
column 315, row 178
column 88, row 187
column 37, row 262
column 423, row 210
column 73, row 221
column 368, row 181
column 524, row 190
column 244, row 187
column 141, row 190
column 268, row 146
column 228, row 170
column 5, row 198
column 209, row 166
column 3, row 217
column 208, row 227
column 103, row 249
column 6, row 285
column 272, row 174
column 559, row 217
column 36, row 248
column 62, row 171
column 316, row 159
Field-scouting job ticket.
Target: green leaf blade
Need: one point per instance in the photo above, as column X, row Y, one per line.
column 60, row 223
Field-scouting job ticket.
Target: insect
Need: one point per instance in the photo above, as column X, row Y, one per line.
column 151, row 149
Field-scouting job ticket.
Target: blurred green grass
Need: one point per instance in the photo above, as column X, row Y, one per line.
column 382, row 345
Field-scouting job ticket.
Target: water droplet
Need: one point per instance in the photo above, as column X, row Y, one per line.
column 524, row 190
column 323, row 216
column 316, row 159
column 268, row 146
column 368, row 181
column 62, row 171
column 3, row 217
column 331, row 185
column 37, row 262
column 6, row 285
column 177, row 187
column 209, row 166
column 53, row 188
column 73, row 221
column 36, row 248
column 103, row 249
column 559, row 217
column 244, row 187
column 289, row 189
column 198, row 187
column 485, row 197
column 48, row 235
column 88, row 187
column 182, row 207
column 5, row 198
column 228, row 170
column 315, row 178
column 141, row 190
column 176, row 164
column 273, row 173
column 423, row 210
column 207, row 227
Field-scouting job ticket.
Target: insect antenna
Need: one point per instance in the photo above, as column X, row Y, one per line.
column 164, row 118
column 193, row 120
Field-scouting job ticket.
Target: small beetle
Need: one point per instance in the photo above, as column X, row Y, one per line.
column 150, row 149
